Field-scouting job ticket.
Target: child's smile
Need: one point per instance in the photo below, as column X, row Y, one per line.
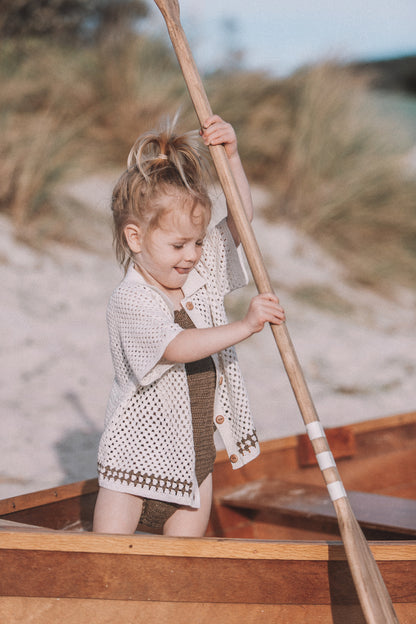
column 169, row 252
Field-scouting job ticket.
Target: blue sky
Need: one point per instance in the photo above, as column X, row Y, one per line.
column 281, row 36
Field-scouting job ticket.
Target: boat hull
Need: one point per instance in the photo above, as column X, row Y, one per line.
column 292, row 569
column 80, row 578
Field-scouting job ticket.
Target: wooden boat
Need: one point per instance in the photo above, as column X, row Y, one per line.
column 273, row 552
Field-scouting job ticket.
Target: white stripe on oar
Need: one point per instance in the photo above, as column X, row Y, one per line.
column 315, row 430
column 336, row 490
column 325, row 460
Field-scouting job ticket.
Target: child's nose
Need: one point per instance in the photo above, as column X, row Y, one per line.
column 191, row 253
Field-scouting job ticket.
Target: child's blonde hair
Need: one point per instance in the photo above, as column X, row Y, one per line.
column 159, row 163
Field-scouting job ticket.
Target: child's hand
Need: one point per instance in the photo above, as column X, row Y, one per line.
column 264, row 308
column 216, row 131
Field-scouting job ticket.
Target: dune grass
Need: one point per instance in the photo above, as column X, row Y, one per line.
column 65, row 113
column 42, row 129
column 332, row 160
column 335, row 164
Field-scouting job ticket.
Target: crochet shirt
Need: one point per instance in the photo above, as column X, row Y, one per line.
column 147, row 446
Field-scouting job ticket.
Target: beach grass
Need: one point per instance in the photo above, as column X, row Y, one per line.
column 337, row 165
column 334, row 160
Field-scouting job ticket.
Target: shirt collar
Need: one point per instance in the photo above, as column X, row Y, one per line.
column 194, row 282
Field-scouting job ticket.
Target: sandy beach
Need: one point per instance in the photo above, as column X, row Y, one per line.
column 357, row 349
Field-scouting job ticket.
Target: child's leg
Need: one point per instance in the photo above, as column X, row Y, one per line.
column 189, row 522
column 116, row 512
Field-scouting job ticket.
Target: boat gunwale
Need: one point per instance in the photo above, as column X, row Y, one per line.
column 49, row 496
column 206, row 547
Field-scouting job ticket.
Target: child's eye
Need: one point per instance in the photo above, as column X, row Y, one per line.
column 199, row 243
column 178, row 246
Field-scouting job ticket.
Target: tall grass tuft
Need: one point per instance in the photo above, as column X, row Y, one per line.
column 66, row 112
column 334, row 164
column 41, row 134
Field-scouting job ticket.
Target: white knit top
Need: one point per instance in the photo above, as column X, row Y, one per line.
column 147, row 446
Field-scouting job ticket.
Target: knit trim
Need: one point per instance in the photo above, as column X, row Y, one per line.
column 175, row 487
column 245, row 445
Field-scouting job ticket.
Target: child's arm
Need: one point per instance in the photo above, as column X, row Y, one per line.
column 195, row 344
column 216, row 131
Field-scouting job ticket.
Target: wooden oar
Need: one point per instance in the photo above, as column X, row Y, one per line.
column 374, row 598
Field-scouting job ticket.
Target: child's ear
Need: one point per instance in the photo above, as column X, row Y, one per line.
column 133, row 236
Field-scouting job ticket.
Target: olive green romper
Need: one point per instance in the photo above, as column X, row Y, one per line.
column 201, row 381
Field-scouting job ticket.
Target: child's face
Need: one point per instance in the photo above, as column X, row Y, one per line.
column 169, row 252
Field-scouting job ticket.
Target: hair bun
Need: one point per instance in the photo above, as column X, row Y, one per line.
column 156, row 150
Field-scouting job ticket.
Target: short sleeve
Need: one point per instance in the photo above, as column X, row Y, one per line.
column 223, row 260
column 140, row 327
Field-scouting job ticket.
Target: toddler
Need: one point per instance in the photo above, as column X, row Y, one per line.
column 176, row 372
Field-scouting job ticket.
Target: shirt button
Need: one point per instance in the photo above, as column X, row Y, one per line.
column 233, row 458
column 190, row 305
column 219, row 419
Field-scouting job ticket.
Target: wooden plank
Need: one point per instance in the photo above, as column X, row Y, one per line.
column 385, row 513
column 74, row 611
column 82, row 575
column 46, row 497
column 50, row 541
column 138, row 545
column 385, row 474
column 387, row 422
column 182, row 579
column 68, row 513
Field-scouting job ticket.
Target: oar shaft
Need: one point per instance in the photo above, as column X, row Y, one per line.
column 373, row 595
